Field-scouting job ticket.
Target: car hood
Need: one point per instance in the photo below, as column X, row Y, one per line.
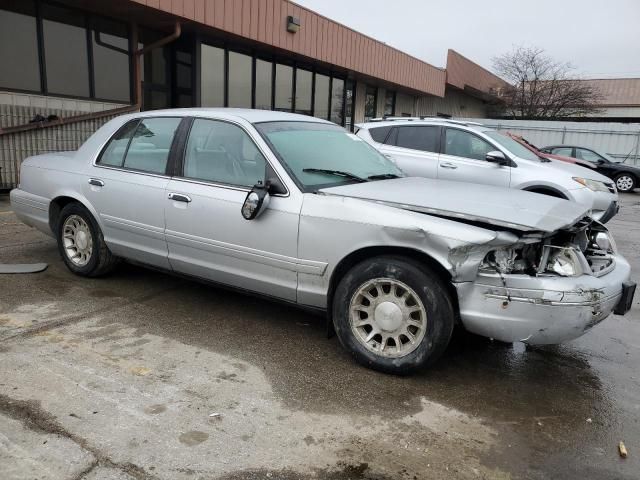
column 504, row 207
column 575, row 161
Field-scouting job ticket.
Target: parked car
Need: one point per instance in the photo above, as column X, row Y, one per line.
column 551, row 156
column 298, row 209
column 627, row 177
column 469, row 152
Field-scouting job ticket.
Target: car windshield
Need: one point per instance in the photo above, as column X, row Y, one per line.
column 321, row 154
column 511, row 145
column 609, row 157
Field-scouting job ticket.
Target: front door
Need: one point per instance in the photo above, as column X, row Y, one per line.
column 463, row 159
column 206, row 234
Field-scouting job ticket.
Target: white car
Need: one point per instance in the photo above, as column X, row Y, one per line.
column 470, row 152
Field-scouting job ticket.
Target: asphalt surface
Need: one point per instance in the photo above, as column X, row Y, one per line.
column 142, row 375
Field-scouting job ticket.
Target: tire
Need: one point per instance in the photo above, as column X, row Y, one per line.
column 416, row 305
column 625, row 182
column 81, row 244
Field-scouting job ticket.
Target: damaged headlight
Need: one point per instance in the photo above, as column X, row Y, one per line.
column 564, row 262
column 509, row 260
column 605, row 242
column 594, row 185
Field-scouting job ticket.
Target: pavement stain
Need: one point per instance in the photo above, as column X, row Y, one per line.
column 193, row 438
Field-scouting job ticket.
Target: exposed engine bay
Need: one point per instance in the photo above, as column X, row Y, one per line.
column 585, row 248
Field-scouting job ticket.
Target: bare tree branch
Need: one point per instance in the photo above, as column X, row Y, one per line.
column 543, row 87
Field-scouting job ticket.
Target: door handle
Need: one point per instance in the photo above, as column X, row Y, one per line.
column 448, row 165
column 179, row 197
column 96, row 182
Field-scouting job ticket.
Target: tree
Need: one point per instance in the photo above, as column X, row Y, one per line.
column 542, row 87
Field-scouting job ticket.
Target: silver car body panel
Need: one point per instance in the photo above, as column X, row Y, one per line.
column 292, row 250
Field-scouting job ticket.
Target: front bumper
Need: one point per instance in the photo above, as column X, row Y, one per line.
column 542, row 309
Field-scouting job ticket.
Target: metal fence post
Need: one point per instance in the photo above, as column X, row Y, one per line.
column 635, row 155
column 564, row 133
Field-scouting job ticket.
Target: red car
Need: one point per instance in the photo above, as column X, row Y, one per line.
column 534, row 149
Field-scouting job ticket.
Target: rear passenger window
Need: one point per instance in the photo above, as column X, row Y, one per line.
column 113, row 154
column 150, row 145
column 379, row 134
column 418, row 138
column 221, row 152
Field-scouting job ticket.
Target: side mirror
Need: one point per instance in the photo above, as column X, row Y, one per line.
column 497, row 157
column 256, row 201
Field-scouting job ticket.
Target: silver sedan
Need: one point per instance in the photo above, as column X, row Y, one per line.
column 300, row 210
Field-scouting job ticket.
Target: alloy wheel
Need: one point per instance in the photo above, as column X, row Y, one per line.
column 77, row 240
column 624, row 183
column 387, row 317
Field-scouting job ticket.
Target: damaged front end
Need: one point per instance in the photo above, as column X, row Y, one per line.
column 586, row 248
column 547, row 287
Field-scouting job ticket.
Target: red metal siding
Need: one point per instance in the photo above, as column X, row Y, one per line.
column 318, row 38
column 463, row 72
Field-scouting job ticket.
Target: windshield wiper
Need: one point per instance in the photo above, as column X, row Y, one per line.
column 383, row 176
column 340, row 173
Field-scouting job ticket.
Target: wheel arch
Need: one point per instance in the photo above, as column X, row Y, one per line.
column 368, row 252
column 62, row 200
column 546, row 190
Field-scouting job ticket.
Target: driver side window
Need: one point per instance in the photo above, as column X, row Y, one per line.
column 464, row 144
column 221, row 152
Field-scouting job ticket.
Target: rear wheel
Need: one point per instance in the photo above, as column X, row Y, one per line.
column 392, row 315
column 81, row 244
column 625, row 182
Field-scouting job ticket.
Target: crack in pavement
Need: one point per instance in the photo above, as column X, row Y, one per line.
column 33, row 417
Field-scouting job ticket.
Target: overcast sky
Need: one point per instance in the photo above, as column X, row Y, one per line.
column 601, row 38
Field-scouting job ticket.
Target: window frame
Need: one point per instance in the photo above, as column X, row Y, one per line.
column 443, row 142
column 178, row 173
column 170, row 167
column 89, row 24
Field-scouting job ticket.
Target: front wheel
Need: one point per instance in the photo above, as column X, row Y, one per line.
column 392, row 315
column 625, row 182
column 81, row 244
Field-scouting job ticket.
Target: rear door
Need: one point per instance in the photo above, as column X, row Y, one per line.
column 127, row 186
column 414, row 148
column 463, row 159
column 206, row 234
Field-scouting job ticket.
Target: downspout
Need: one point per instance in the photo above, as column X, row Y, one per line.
column 137, row 76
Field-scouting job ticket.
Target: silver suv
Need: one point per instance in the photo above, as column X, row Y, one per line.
column 470, row 152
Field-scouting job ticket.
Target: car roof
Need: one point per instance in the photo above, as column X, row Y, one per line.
column 248, row 114
column 570, row 146
column 423, row 121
